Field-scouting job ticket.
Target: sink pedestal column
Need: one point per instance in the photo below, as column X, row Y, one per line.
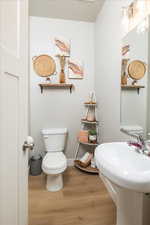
column 132, row 207
column 129, row 207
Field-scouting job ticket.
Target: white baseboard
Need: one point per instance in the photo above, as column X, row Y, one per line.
column 70, row 162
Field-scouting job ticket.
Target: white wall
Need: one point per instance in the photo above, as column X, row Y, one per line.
column 59, row 108
column 108, row 69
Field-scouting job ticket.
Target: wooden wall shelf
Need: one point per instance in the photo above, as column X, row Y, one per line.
column 65, row 86
column 132, row 87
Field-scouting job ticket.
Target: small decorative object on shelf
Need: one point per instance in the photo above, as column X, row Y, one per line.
column 124, row 75
column 85, row 160
column 92, row 99
column 136, row 70
column 90, row 114
column 62, row 59
column 87, row 163
column 44, row 66
column 88, row 136
column 90, row 117
column 93, row 164
column 93, row 136
column 125, row 49
column 48, row 80
column 83, row 136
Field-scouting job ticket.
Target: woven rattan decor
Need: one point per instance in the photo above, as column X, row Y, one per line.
column 44, row 65
column 136, row 69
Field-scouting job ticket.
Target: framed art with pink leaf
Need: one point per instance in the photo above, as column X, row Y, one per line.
column 76, row 69
column 62, row 46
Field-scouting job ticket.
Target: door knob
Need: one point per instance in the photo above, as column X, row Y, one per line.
column 28, row 144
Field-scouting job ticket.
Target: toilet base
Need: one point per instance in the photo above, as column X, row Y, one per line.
column 54, row 182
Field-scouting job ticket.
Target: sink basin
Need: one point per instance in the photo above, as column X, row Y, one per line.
column 121, row 164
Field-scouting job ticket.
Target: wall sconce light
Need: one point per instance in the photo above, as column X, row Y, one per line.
column 134, row 14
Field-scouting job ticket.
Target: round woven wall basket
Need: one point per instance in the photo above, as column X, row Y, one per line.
column 136, row 69
column 44, row 65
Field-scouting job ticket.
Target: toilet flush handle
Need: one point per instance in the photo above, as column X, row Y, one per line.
column 45, row 136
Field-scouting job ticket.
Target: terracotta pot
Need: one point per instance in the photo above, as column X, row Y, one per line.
column 83, row 136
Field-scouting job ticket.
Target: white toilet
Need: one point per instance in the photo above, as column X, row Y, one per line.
column 55, row 162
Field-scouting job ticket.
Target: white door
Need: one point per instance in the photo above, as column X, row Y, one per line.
column 13, row 111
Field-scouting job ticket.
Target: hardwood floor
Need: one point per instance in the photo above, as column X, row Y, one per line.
column 83, row 201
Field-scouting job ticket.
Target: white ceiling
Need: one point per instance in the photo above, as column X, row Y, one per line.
column 66, row 9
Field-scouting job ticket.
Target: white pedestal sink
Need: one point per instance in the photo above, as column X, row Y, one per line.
column 126, row 175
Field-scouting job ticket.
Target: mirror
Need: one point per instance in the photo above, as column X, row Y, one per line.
column 135, row 79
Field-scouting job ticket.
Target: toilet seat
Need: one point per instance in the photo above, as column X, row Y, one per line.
column 54, row 163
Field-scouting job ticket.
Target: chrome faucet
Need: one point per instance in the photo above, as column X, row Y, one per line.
column 140, row 144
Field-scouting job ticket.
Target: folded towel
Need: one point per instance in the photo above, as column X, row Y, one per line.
column 132, row 128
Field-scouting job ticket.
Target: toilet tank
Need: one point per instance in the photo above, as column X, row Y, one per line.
column 54, row 139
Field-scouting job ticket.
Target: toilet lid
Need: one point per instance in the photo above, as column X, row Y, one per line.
column 54, row 160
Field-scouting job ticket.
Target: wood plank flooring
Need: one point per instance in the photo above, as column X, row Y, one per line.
column 83, row 201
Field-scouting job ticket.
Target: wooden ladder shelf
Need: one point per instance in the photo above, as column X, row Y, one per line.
column 89, row 124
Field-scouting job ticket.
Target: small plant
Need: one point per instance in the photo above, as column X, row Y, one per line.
column 92, row 132
column 92, row 136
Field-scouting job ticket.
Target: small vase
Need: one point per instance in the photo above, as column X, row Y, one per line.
column 62, row 77
column 91, row 115
column 124, row 79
